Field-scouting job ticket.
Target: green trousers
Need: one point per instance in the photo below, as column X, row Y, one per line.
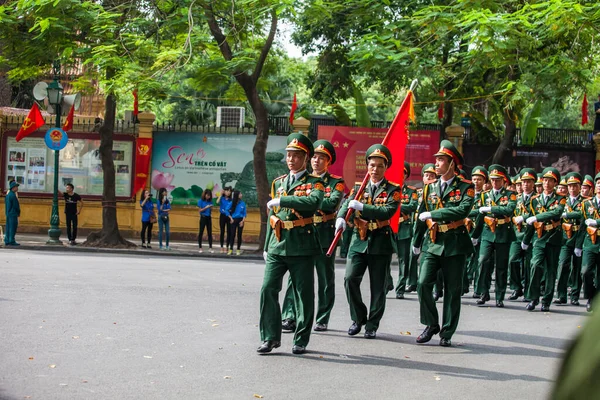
column 544, row 263
column 302, row 276
column 452, row 268
column 404, row 260
column 413, row 275
column 12, row 223
column 569, row 272
column 356, row 266
column 346, row 239
column 518, row 261
column 493, row 255
column 471, row 272
column 590, row 269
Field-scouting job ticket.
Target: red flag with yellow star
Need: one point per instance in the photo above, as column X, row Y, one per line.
column 68, row 125
column 31, row 124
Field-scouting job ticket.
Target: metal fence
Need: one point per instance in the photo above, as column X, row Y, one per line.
column 88, row 124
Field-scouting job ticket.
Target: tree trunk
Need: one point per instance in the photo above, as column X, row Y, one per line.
column 506, row 143
column 109, row 236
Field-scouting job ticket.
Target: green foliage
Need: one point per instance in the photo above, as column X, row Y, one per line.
column 362, row 114
column 530, row 124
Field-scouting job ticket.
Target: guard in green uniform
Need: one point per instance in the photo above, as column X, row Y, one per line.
column 408, row 206
column 479, row 177
column 323, row 158
column 12, row 213
column 544, row 232
column 518, row 258
column 494, row 229
column 373, row 241
column 291, row 245
column 538, row 184
column 569, row 265
column 446, row 205
column 587, row 240
column 587, row 187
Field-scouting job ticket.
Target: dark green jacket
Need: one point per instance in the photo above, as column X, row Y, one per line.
column 11, row 205
column 408, row 206
column 522, row 209
column 549, row 211
column 452, row 205
column 381, row 207
column 503, row 206
column 301, row 200
column 590, row 209
column 573, row 210
column 332, row 200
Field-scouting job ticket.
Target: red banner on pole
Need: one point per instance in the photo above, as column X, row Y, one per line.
column 143, row 155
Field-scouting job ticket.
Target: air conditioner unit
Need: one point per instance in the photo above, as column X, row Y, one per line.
column 230, row 117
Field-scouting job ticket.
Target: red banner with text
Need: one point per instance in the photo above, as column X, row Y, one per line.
column 352, row 142
column 143, row 154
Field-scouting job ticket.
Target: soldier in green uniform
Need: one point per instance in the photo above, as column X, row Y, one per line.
column 12, row 212
column 587, row 187
column 408, row 206
column 569, row 265
column 291, row 245
column 373, row 241
column 518, row 258
column 587, row 240
column 479, row 177
column 544, row 233
column 494, row 229
column 538, row 184
column 323, row 158
column 446, row 204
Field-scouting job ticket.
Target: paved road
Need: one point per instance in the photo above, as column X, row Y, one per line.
column 90, row 326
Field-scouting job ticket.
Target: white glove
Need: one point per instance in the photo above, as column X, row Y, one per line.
column 355, row 204
column 524, row 246
column 273, row 203
column 485, row 209
column 564, row 215
column 340, row 223
column 531, row 220
column 591, row 222
column 265, row 255
column 425, row 215
column 474, row 241
column 416, row 250
column 578, row 252
column 519, row 219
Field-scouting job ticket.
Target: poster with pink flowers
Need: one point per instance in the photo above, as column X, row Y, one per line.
column 188, row 163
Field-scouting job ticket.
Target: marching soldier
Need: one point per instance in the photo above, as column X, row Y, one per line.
column 291, row 245
column 518, row 258
column 408, row 206
column 569, row 265
column 544, row 233
column 538, row 184
column 587, row 187
column 479, row 177
column 561, row 188
column 588, row 241
column 323, row 158
column 494, row 227
column 373, row 241
column 445, row 206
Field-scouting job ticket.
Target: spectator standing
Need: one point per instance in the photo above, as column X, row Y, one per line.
column 73, row 206
column 148, row 218
column 13, row 212
column 597, row 113
column 224, row 202
column 204, row 208
column 164, row 208
column 238, row 215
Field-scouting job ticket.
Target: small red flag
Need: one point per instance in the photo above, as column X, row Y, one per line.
column 584, row 110
column 135, row 102
column 293, row 110
column 33, row 121
column 441, row 107
column 68, row 125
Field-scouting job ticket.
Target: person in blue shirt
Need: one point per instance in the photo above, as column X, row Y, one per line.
column 12, row 212
column 164, row 208
column 238, row 214
column 204, row 209
column 224, row 202
column 148, row 218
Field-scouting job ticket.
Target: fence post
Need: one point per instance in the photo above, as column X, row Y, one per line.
column 456, row 134
column 301, row 125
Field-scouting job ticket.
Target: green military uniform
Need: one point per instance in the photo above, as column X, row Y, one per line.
column 12, row 212
column 518, row 258
column 325, row 226
column 494, row 230
column 546, row 237
column 447, row 251
column 569, row 266
column 471, row 273
column 408, row 206
column 372, row 249
column 291, row 245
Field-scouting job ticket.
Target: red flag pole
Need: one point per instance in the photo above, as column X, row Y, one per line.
column 363, row 185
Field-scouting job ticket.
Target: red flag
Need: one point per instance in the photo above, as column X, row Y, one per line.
column 584, row 110
column 441, row 107
column 135, row 102
column 396, row 140
column 293, row 110
column 68, row 125
column 33, row 121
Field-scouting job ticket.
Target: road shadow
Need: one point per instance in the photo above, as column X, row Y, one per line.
column 526, row 339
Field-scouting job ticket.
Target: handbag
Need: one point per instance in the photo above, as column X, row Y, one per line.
column 153, row 218
column 165, row 218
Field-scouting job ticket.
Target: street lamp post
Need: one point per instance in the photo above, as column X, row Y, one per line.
column 55, row 95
